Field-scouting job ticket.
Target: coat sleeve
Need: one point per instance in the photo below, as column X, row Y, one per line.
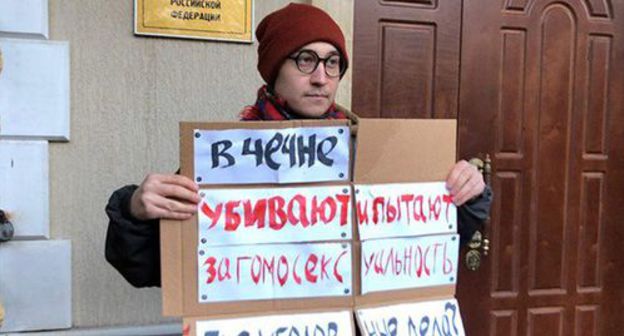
column 473, row 214
column 132, row 245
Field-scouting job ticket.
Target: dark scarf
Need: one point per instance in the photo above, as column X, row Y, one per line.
column 269, row 106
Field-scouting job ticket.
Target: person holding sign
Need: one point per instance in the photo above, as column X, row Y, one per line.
column 302, row 58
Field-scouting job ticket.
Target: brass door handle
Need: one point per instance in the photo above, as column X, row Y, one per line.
column 477, row 162
column 486, row 246
column 479, row 245
column 484, row 166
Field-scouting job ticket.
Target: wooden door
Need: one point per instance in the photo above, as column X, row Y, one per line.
column 541, row 90
column 406, row 58
column 540, row 87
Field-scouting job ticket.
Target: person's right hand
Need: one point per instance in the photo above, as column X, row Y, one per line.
column 165, row 196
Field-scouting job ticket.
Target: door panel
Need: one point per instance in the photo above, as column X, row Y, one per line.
column 540, row 74
column 538, row 85
column 406, row 59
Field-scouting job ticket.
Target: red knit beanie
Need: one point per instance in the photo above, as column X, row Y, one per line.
column 290, row 28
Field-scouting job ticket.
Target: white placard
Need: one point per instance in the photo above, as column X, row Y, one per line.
column 274, row 271
column 24, row 187
column 290, row 155
column 253, row 216
column 400, row 263
column 34, row 89
column 405, row 209
column 24, row 17
column 316, row 324
column 432, row 318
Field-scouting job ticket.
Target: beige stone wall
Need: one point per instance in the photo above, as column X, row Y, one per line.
column 127, row 95
column 342, row 12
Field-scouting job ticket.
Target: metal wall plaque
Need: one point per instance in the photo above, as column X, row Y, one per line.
column 196, row 19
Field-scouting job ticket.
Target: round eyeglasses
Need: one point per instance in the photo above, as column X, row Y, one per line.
column 307, row 61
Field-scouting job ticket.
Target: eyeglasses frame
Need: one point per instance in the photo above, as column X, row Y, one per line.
column 319, row 59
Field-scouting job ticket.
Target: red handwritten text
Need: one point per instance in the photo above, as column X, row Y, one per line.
column 413, row 260
column 275, row 270
column 414, row 207
column 276, row 212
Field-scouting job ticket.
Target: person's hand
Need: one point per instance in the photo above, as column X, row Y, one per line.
column 464, row 182
column 165, row 196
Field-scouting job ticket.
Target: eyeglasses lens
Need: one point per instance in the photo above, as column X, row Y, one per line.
column 307, row 62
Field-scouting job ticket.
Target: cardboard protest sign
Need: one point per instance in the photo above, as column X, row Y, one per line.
column 275, row 234
column 400, row 158
column 406, row 253
column 208, row 271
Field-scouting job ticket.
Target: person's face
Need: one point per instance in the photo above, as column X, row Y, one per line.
column 308, row 95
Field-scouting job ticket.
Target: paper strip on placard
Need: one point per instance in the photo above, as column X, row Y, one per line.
column 405, row 209
column 272, row 215
column 326, row 323
column 274, row 271
column 401, row 263
column 432, row 318
column 244, row 156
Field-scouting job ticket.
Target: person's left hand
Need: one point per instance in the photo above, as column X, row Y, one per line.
column 464, row 182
